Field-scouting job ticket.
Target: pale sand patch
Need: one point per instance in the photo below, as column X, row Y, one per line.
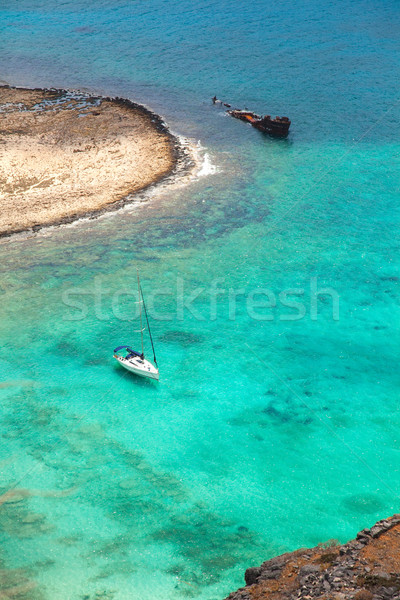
column 64, row 155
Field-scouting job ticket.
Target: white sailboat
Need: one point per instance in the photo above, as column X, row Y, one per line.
column 134, row 361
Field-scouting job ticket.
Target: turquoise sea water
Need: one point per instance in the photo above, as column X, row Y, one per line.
column 267, row 431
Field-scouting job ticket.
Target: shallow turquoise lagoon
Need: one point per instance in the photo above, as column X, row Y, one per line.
column 272, row 283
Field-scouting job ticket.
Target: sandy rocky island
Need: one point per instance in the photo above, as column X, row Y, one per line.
column 367, row 568
column 64, row 155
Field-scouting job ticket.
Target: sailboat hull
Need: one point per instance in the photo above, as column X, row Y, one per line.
column 138, row 366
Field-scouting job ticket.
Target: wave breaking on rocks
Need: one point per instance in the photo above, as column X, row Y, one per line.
column 66, row 155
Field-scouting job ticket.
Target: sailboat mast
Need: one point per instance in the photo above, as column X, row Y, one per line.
column 148, row 326
column 140, row 308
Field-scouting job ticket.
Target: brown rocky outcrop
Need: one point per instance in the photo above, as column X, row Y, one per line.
column 366, row 568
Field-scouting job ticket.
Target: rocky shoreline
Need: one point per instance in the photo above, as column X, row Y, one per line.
column 366, row 568
column 68, row 155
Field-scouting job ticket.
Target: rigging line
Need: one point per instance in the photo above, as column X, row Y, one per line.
column 38, row 465
column 148, row 325
column 325, row 422
column 141, row 326
column 324, row 173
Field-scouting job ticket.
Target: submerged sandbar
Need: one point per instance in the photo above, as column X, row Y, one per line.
column 65, row 155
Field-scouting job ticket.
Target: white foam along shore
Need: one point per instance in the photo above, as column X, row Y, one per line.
column 41, row 112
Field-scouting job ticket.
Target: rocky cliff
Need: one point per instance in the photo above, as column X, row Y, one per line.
column 367, row 568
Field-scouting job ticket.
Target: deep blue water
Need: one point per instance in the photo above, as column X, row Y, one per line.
column 274, row 425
